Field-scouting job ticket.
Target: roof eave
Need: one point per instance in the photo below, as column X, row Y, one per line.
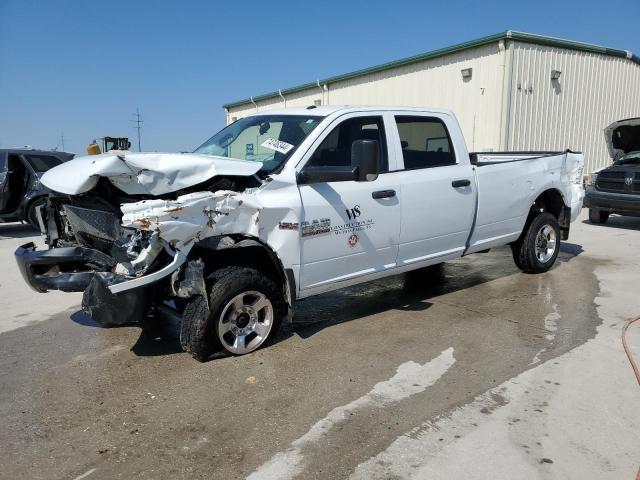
column 509, row 34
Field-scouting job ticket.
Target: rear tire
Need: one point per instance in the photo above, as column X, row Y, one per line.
column 598, row 216
column 537, row 249
column 244, row 312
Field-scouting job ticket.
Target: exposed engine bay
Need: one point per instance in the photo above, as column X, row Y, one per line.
column 95, row 219
column 118, row 238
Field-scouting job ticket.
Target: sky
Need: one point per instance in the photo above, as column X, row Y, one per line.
column 82, row 68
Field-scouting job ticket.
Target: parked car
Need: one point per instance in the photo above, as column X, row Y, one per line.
column 616, row 189
column 284, row 205
column 21, row 191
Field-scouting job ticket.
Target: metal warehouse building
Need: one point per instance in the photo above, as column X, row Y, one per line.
column 510, row 91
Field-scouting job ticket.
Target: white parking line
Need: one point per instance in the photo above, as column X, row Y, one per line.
column 410, row 378
column 85, row 474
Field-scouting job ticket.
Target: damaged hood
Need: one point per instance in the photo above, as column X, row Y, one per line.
column 143, row 173
column 623, row 137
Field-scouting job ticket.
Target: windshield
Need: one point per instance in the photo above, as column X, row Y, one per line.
column 632, row 157
column 270, row 139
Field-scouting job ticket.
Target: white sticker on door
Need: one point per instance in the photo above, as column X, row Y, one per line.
column 277, row 145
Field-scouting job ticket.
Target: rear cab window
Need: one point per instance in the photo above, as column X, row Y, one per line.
column 425, row 142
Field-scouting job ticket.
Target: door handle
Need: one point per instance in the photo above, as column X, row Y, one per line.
column 383, row 194
column 460, row 183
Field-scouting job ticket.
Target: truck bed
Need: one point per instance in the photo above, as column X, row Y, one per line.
column 508, row 184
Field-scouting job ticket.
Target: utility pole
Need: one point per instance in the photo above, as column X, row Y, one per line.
column 62, row 141
column 138, row 121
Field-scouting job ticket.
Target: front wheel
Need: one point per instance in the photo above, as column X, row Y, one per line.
column 537, row 249
column 244, row 311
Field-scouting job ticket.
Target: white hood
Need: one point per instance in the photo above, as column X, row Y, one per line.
column 622, row 137
column 143, row 173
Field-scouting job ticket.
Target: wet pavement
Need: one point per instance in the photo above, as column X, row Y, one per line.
column 357, row 372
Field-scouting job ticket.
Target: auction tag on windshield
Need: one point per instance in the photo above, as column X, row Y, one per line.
column 277, row 145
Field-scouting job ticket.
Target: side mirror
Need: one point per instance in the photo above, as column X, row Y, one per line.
column 364, row 157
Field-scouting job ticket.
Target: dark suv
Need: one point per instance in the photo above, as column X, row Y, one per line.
column 616, row 189
column 20, row 189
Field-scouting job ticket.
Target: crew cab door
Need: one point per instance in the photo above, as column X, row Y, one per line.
column 349, row 228
column 438, row 190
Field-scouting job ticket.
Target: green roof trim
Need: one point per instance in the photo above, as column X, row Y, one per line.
column 507, row 35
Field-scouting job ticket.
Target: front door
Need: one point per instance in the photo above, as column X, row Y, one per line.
column 349, row 228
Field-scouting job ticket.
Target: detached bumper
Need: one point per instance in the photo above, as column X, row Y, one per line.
column 107, row 308
column 622, row 204
column 81, row 269
column 69, row 269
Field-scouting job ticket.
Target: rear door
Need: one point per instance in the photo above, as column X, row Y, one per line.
column 349, row 228
column 438, row 191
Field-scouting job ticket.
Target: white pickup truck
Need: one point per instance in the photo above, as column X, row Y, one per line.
column 282, row 205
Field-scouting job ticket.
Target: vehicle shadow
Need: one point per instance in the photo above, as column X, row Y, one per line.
column 571, row 249
column 166, row 341
column 411, row 291
column 163, row 339
column 16, row 230
column 617, row 221
column 408, row 292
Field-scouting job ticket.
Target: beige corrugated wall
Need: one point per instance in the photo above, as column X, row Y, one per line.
column 537, row 114
column 593, row 91
column 435, row 83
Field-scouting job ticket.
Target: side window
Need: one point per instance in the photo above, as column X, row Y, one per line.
column 425, row 142
column 42, row 163
column 335, row 149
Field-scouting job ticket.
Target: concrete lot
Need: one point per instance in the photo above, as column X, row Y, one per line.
column 474, row 372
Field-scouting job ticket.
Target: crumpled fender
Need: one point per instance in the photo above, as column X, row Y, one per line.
column 195, row 216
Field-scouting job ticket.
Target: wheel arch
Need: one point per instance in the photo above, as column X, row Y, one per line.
column 552, row 201
column 243, row 250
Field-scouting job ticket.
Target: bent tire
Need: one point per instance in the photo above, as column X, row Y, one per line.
column 244, row 311
column 537, row 249
column 598, row 216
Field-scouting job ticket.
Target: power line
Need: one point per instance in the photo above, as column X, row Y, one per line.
column 138, row 121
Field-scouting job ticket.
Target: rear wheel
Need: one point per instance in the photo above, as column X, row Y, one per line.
column 244, row 311
column 537, row 249
column 598, row 216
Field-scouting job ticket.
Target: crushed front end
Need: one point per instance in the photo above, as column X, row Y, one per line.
column 129, row 255
column 119, row 227
column 90, row 251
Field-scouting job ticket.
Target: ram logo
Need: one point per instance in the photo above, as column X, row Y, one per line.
column 628, row 181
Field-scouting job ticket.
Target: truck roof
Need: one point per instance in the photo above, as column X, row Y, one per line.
column 326, row 110
column 35, row 151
